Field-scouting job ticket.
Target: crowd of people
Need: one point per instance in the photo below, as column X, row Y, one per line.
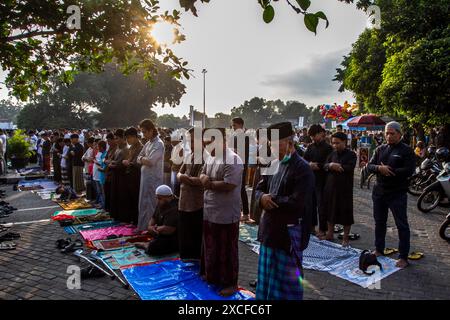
column 195, row 207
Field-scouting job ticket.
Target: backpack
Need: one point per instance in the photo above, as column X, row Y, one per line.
column 367, row 259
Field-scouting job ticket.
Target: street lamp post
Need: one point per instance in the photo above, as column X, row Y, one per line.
column 204, row 98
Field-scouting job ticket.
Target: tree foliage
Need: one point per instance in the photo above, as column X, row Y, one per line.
column 108, row 99
column 403, row 69
column 258, row 112
column 38, row 40
column 9, row 110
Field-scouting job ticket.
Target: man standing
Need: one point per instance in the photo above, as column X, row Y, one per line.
column 76, row 154
column 393, row 163
column 221, row 178
column 239, row 135
column 151, row 160
column 317, row 154
column 286, row 199
column 338, row 191
column 190, row 206
column 46, row 147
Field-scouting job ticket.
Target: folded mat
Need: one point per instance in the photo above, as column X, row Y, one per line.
column 174, row 280
column 99, row 234
column 80, row 203
column 248, row 234
column 77, row 213
column 117, row 243
column 130, row 255
column 330, row 257
column 90, row 226
column 39, row 184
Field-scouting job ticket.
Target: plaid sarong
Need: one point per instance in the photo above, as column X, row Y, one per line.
column 280, row 276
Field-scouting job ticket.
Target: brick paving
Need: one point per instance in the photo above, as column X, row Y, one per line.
column 36, row 270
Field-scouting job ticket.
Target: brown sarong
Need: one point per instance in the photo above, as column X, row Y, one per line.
column 219, row 258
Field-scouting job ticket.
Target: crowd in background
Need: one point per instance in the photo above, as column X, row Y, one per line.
column 195, row 209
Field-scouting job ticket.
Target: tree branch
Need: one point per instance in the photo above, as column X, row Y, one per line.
column 34, row 34
column 298, row 10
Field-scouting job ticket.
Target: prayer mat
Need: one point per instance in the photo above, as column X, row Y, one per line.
column 39, row 184
column 90, row 226
column 104, row 233
column 80, row 203
column 78, row 213
column 130, row 255
column 117, row 243
column 344, row 263
column 248, row 234
column 174, row 280
column 330, row 257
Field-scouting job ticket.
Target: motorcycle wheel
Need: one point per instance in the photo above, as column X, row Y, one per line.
column 433, row 197
column 444, row 230
column 414, row 187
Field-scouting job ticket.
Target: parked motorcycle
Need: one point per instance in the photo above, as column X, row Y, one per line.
column 437, row 192
column 425, row 175
column 444, row 230
column 428, row 170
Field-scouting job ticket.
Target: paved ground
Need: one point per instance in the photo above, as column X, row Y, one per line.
column 36, row 270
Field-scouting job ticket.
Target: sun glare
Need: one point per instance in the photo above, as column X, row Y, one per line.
column 162, row 32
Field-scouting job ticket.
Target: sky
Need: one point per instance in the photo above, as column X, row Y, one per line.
column 245, row 57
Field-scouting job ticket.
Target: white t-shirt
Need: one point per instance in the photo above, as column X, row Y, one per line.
column 63, row 160
column 3, row 138
column 86, row 156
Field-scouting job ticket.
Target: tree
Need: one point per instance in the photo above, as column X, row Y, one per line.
column 171, row 121
column 125, row 100
column 40, row 40
column 9, row 110
column 220, row 120
column 255, row 112
column 43, row 39
column 50, row 111
column 403, row 68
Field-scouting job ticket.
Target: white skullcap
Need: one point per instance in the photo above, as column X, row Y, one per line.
column 163, row 190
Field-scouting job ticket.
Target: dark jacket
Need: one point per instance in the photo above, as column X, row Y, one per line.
column 319, row 152
column 401, row 159
column 294, row 198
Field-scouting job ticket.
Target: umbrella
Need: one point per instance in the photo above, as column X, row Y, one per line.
column 368, row 121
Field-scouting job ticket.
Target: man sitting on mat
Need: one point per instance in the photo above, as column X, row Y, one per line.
column 163, row 224
column 66, row 192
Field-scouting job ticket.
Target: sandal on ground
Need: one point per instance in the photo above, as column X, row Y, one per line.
column 62, row 243
column 72, row 247
column 415, row 255
column 3, row 228
column 7, row 246
column 351, row 236
column 389, row 251
column 9, row 236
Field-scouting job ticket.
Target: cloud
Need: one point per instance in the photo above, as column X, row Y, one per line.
column 313, row 80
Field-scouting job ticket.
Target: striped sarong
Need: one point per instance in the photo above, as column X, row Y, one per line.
column 78, row 181
column 280, row 276
column 65, row 179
